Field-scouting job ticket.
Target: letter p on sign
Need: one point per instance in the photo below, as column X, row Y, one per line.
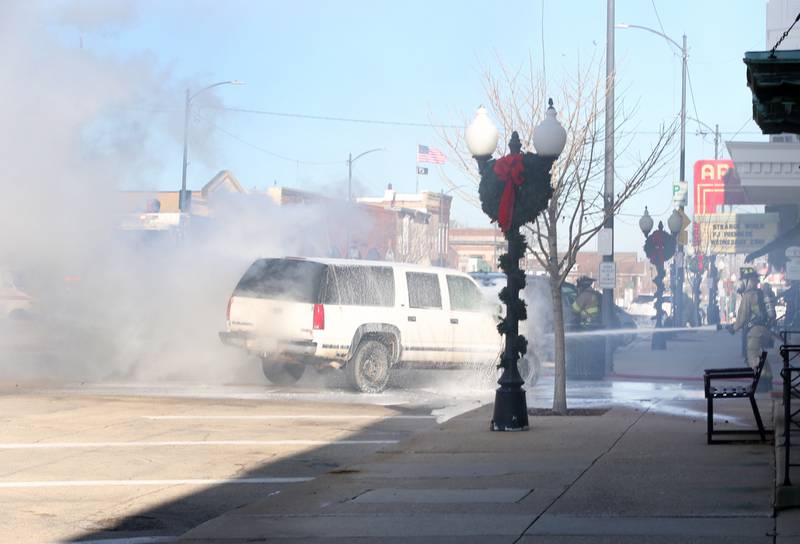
column 680, row 193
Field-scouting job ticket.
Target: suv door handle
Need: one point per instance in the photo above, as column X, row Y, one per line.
column 412, row 318
column 454, row 321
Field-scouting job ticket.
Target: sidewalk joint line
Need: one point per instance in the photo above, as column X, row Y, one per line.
column 584, row 471
column 525, row 496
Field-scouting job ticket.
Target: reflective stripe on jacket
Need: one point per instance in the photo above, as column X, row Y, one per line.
column 587, row 305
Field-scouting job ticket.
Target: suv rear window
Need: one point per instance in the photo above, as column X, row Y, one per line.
column 359, row 285
column 282, row 279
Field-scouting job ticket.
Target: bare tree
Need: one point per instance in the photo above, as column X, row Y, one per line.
column 575, row 213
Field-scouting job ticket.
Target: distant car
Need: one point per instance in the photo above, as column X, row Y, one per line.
column 643, row 309
column 642, row 305
column 14, row 302
column 365, row 316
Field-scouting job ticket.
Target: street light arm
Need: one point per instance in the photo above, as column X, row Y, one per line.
column 451, row 189
column 354, row 159
column 204, row 89
column 702, row 123
column 186, row 114
column 670, row 40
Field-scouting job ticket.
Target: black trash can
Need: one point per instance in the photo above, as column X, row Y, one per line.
column 585, row 357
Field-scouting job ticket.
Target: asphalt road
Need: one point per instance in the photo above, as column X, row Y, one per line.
column 82, row 464
column 140, row 462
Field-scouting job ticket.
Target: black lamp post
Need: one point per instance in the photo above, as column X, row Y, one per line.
column 675, row 223
column 514, row 190
column 712, row 315
column 659, row 248
column 698, row 266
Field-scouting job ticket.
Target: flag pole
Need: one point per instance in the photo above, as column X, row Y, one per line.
column 416, row 161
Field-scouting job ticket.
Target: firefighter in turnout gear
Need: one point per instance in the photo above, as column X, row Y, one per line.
column 754, row 317
column 586, row 307
column 770, row 302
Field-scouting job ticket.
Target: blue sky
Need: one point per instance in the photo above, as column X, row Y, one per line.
column 419, row 61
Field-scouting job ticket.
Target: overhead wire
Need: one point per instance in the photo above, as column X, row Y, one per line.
column 544, row 64
column 741, row 127
column 658, row 17
column 263, row 150
column 334, row 118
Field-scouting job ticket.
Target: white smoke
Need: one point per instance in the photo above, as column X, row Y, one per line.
column 78, row 127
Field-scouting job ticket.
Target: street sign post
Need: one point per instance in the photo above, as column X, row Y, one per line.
column 607, row 276
column 605, row 242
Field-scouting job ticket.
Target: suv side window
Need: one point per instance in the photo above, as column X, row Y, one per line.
column 359, row 286
column 464, row 295
column 423, row 290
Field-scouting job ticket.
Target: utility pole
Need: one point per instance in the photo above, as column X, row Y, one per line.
column 349, row 177
column 677, row 297
column 350, row 161
column 608, row 192
column 182, row 197
column 716, row 142
column 183, row 201
column 676, row 279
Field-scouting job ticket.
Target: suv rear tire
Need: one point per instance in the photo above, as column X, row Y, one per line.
column 368, row 370
column 281, row 372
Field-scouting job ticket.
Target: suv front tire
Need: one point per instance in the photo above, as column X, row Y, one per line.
column 368, row 370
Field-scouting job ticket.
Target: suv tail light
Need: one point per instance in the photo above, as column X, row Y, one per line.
column 228, row 309
column 319, row 317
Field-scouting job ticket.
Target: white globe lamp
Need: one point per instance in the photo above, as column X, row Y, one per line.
column 549, row 137
column 646, row 223
column 482, row 135
column 675, row 222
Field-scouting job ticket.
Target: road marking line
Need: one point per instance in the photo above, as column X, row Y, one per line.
column 285, row 417
column 131, row 540
column 167, row 443
column 102, row 483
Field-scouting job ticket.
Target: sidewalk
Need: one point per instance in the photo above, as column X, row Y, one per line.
column 687, row 355
column 628, row 475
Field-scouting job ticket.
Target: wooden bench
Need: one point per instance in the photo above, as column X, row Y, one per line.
column 747, row 390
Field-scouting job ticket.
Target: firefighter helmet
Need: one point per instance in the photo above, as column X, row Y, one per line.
column 748, row 273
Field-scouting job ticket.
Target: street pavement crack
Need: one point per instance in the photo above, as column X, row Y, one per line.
column 587, row 469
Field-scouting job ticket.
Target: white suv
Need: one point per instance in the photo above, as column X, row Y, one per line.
column 364, row 315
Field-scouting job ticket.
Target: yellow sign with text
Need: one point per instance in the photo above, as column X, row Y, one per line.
column 736, row 232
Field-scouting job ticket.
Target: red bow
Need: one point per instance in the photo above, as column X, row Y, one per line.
column 658, row 242
column 509, row 170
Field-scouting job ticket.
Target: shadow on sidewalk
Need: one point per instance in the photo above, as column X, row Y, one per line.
column 173, row 518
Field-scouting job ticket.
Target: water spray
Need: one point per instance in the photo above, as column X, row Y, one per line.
column 637, row 331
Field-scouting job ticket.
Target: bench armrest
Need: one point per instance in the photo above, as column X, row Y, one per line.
column 740, row 369
column 728, row 373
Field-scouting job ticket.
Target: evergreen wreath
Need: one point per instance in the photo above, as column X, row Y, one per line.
column 659, row 246
column 531, row 185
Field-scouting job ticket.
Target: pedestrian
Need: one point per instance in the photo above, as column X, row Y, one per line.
column 754, row 317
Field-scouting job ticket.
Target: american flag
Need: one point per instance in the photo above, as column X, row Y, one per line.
column 429, row 154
